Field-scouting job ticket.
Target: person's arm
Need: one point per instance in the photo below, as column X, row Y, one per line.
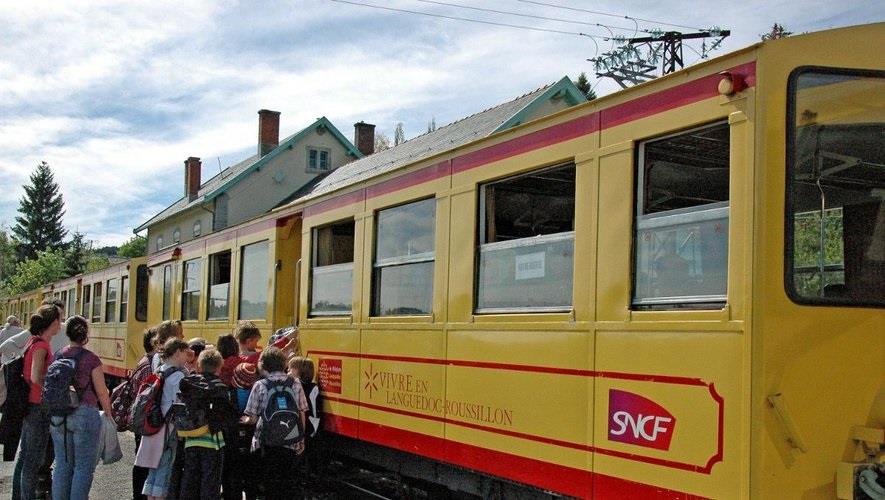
column 101, row 390
column 38, row 363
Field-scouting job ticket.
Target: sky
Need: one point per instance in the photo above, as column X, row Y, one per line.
column 116, row 95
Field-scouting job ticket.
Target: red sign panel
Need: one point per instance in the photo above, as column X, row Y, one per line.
column 636, row 420
column 330, row 375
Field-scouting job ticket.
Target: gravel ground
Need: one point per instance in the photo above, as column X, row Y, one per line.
column 112, row 481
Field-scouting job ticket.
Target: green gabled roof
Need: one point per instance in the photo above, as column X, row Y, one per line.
column 563, row 89
column 321, row 123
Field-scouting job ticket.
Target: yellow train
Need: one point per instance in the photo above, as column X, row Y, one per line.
column 674, row 291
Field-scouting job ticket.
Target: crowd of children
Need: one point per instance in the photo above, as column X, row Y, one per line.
column 236, row 419
column 210, row 421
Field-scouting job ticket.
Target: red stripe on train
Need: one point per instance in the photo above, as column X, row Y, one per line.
column 567, row 480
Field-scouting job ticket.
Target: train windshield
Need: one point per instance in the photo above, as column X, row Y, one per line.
column 836, row 188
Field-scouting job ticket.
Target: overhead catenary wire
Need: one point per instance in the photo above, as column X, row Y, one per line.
column 609, row 14
column 470, row 20
column 529, row 16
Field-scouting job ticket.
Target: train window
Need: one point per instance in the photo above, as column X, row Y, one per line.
column 87, row 300
column 254, row 281
column 124, row 298
column 110, row 301
column 72, row 301
column 167, row 292
column 835, row 206
column 526, row 235
column 96, row 302
column 141, row 293
column 219, row 285
column 404, row 257
column 190, row 290
column 331, row 291
column 681, row 235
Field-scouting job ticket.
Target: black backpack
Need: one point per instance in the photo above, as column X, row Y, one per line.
column 203, row 407
column 281, row 420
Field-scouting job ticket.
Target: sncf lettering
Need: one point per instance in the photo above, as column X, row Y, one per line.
column 639, row 425
column 636, row 420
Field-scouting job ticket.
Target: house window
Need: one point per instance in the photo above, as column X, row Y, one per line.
column 198, row 228
column 176, row 235
column 110, row 304
column 159, row 242
column 835, row 207
column 318, row 159
column 141, row 293
column 124, row 298
column 219, row 285
column 332, row 274
column 167, row 292
column 96, row 303
column 190, row 293
column 527, row 237
column 254, row 281
column 87, row 300
column 681, row 236
column 404, row 257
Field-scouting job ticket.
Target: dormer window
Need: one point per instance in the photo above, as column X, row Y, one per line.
column 318, row 159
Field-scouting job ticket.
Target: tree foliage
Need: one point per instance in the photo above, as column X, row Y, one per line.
column 75, row 256
column 137, row 245
column 584, row 86
column 8, row 258
column 39, row 226
column 399, row 135
column 49, row 266
column 382, row 142
column 777, row 31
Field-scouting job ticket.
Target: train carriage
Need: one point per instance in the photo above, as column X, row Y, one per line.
column 674, row 291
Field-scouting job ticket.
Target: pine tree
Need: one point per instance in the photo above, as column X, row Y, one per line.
column 75, row 256
column 583, row 85
column 399, row 136
column 39, row 227
column 8, row 258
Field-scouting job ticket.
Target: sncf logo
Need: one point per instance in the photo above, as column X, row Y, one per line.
column 634, row 419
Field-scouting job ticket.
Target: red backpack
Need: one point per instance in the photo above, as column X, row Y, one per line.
column 147, row 414
column 123, row 397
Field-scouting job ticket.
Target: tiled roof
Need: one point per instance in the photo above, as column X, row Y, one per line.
column 451, row 136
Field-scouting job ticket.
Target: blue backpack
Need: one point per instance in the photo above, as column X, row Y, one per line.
column 281, row 419
column 61, row 396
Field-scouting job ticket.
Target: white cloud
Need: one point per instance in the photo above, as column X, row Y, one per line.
column 116, row 95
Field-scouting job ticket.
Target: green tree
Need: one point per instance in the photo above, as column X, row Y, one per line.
column 399, row 135
column 75, row 255
column 382, row 142
column 49, row 266
column 584, row 86
column 777, row 31
column 96, row 262
column 8, row 258
column 39, row 226
column 136, row 246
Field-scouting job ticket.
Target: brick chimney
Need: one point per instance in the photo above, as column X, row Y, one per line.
column 192, row 167
column 268, row 131
column 364, row 137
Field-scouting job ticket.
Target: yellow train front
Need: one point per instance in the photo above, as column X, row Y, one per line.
column 675, row 291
